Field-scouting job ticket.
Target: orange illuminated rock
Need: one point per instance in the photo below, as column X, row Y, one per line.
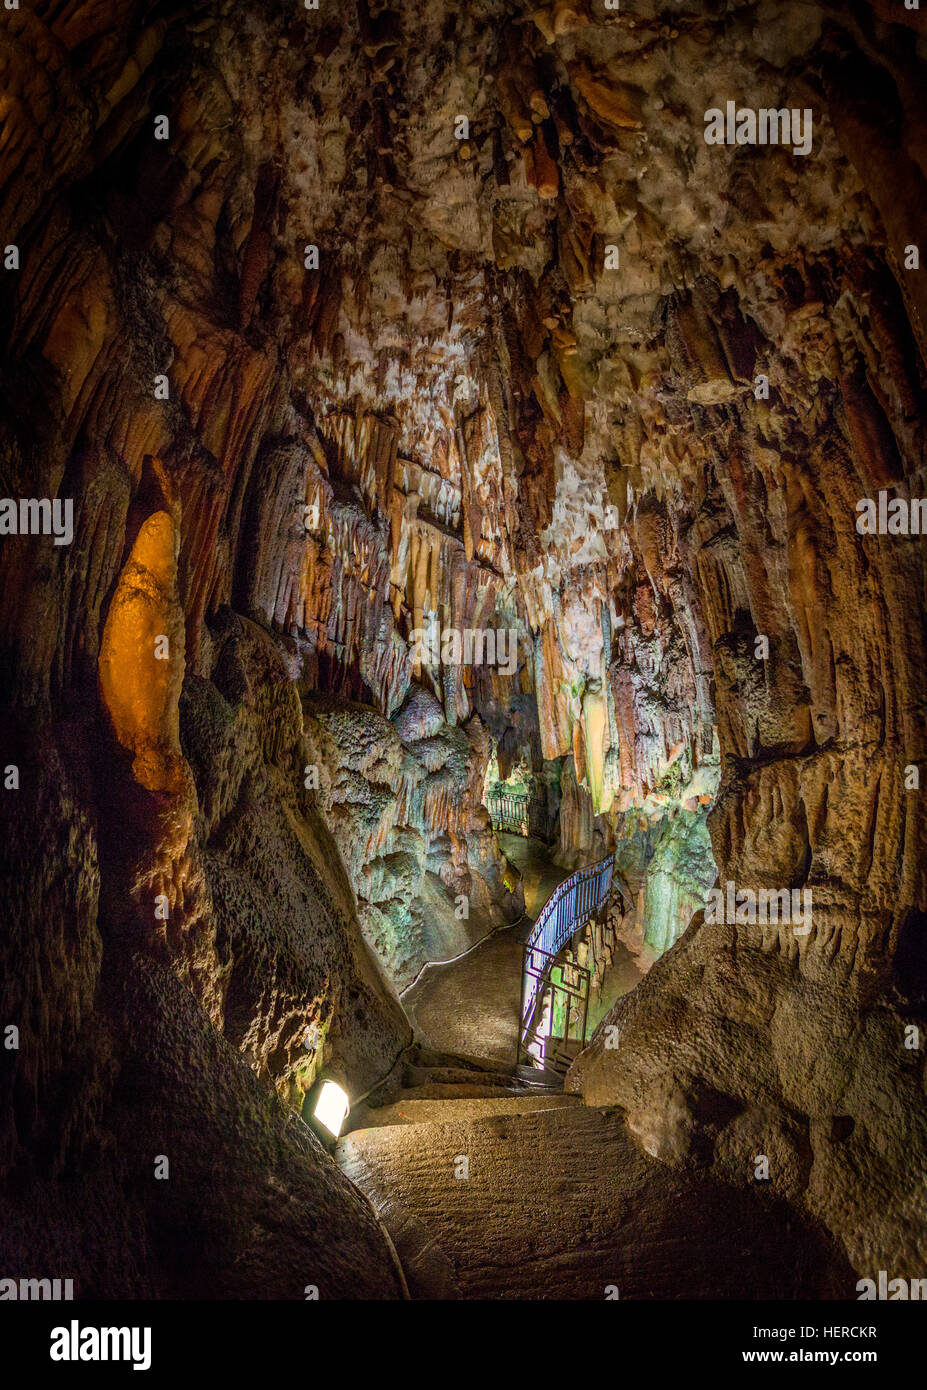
column 142, row 652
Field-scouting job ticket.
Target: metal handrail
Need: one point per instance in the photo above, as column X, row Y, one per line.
column 520, row 813
column 509, row 811
column 568, row 908
column 573, row 988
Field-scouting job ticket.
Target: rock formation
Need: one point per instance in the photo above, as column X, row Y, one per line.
column 430, row 391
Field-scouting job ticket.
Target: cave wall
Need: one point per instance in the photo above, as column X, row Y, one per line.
column 403, row 800
column 801, row 1041
column 460, row 416
column 747, row 1040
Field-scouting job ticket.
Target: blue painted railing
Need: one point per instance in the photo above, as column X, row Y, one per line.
column 568, row 908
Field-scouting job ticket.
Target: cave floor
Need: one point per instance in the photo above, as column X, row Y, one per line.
column 471, row 1005
column 542, row 1199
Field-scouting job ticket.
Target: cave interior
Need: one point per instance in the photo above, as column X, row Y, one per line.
column 446, row 450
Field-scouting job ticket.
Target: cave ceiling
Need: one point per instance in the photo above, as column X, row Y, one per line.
column 530, row 330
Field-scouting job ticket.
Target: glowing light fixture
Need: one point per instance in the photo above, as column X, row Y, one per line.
column 331, row 1107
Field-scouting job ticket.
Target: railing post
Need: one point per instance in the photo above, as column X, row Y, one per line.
column 582, row 1041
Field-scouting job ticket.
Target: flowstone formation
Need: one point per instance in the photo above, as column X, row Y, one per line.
column 429, row 389
column 403, row 800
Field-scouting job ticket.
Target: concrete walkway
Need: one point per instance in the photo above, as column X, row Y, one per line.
column 471, row 1006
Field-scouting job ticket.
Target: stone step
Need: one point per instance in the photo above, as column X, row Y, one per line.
column 422, row 1056
column 416, row 1110
column 539, row 1078
column 438, row 1092
column 456, row 1076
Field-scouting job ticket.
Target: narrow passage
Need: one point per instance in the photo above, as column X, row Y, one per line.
column 471, row 1005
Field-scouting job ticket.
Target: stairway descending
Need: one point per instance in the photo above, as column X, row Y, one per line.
column 539, row 1079
column 430, row 1085
column 495, row 1184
